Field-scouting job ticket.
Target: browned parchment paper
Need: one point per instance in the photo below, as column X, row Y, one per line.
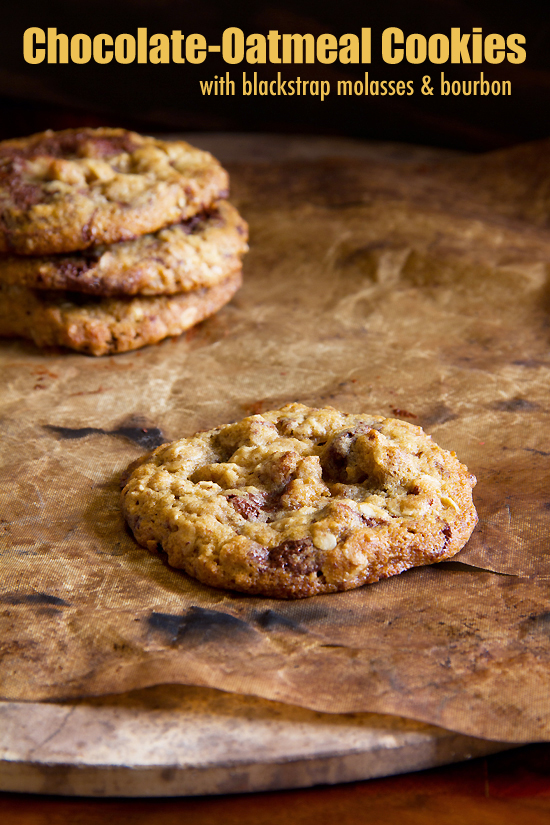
column 375, row 283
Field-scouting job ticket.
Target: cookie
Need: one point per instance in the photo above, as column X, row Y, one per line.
column 301, row 501
column 64, row 191
column 98, row 326
column 201, row 251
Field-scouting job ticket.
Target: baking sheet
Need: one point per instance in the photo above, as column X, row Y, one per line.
column 372, row 285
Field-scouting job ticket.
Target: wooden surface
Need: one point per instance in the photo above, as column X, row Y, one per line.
column 511, row 788
column 177, row 740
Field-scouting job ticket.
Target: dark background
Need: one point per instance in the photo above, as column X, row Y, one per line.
column 167, row 97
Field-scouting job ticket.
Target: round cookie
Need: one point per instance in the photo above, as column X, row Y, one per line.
column 201, row 251
column 64, row 191
column 301, row 501
column 100, row 326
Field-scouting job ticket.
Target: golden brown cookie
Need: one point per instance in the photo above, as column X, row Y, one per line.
column 98, row 326
column 301, row 501
column 64, row 191
column 201, row 251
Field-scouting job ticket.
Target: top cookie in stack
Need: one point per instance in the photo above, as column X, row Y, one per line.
column 112, row 240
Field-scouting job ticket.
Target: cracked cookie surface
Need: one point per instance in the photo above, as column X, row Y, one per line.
column 68, row 190
column 301, row 501
column 199, row 252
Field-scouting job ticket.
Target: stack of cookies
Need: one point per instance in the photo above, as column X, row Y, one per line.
column 110, row 240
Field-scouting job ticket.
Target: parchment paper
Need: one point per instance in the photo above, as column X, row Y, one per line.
column 389, row 286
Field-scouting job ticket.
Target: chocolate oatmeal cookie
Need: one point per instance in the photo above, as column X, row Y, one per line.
column 201, row 251
column 100, row 326
column 64, row 191
column 301, row 501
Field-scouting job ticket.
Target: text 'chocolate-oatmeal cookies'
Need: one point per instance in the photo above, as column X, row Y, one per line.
column 68, row 190
column 300, row 501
